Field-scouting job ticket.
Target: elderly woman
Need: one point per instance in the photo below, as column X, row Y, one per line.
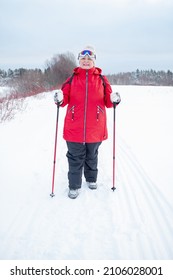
column 87, row 93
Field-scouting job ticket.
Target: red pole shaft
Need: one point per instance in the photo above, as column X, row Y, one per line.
column 114, row 108
column 55, row 146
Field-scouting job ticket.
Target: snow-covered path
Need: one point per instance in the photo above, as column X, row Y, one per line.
column 133, row 222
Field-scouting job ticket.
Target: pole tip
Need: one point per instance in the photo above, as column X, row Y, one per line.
column 52, row 194
column 113, row 188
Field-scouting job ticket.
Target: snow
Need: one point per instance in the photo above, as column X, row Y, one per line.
column 132, row 223
column 4, row 91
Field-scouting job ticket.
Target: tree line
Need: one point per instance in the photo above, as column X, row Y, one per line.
column 32, row 81
column 26, row 82
column 143, row 78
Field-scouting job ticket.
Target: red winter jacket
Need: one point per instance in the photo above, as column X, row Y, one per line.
column 85, row 120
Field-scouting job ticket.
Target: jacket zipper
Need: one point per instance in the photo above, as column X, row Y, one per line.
column 85, row 109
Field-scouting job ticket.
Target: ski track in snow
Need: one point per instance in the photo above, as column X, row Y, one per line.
column 133, row 222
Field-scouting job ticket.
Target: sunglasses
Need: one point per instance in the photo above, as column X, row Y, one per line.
column 87, row 52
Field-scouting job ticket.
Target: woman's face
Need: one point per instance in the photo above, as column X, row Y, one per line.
column 86, row 62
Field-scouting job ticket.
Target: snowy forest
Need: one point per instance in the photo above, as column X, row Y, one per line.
column 60, row 66
column 21, row 83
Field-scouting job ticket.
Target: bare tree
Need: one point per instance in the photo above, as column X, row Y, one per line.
column 59, row 68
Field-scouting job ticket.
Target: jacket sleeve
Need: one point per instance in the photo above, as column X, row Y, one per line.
column 108, row 91
column 66, row 92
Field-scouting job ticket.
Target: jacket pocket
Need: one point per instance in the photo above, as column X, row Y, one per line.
column 72, row 112
column 99, row 111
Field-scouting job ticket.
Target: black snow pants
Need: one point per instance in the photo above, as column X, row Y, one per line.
column 82, row 157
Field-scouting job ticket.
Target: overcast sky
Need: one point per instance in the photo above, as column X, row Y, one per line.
column 127, row 34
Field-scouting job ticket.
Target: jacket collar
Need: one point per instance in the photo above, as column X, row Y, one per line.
column 93, row 70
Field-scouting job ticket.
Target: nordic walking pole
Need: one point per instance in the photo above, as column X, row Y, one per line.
column 114, row 108
column 54, row 160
